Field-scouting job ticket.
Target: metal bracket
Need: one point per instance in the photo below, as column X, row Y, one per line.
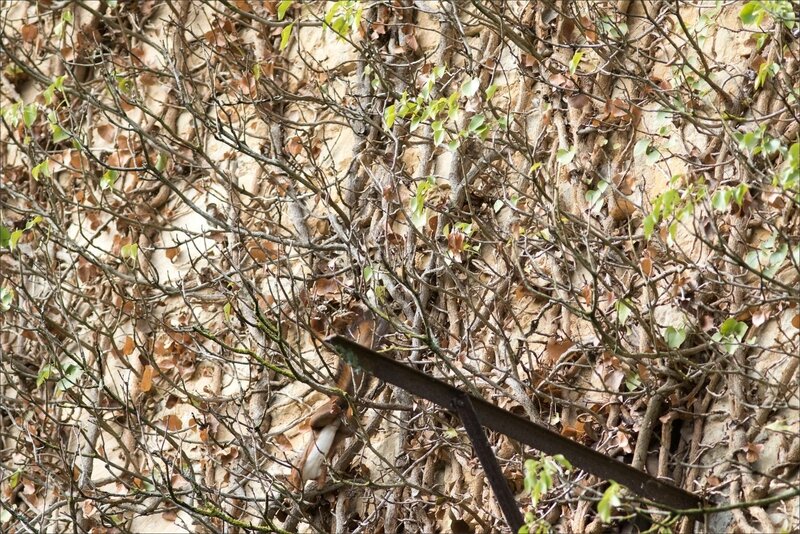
column 463, row 407
column 513, row 426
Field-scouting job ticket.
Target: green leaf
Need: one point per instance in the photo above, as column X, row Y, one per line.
column 765, row 72
column 226, row 310
column 623, row 311
column 161, row 162
column 476, row 122
column 108, row 179
column 490, row 91
column 633, row 382
column 609, row 501
column 564, row 156
column 283, row 7
column 641, row 147
column 575, row 61
column 48, row 95
column 415, row 122
column 389, row 115
column 5, row 236
column 130, row 250
column 595, row 196
column 368, row 272
column 720, row 200
column 470, row 87
column 59, row 133
column 72, row 374
column 751, row 259
column 652, row 156
column 739, row 193
column 33, row 222
column 286, row 33
column 29, row 114
column 6, row 298
column 648, row 225
column 438, row 137
column 43, row 168
column 776, row 258
column 732, row 327
column 15, row 236
column 44, row 375
column 675, row 337
column 13, row 480
column 748, row 12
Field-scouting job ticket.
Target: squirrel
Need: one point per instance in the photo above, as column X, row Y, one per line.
column 326, row 423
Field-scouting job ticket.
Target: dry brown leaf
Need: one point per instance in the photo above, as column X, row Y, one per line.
column 173, row 423
column 68, row 54
column 579, row 101
column 588, row 29
column 646, row 263
column 760, row 316
column 555, row 349
column 107, row 132
column 753, row 452
column 586, row 293
column 283, row 442
column 613, row 380
column 29, row 32
column 127, row 349
column 529, row 61
column 294, row 146
column 170, row 515
column 244, row 5
column 147, row 379
column 796, row 321
column 326, row 287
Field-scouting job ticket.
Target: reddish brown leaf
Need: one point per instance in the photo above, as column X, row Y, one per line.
column 127, row 349
column 170, row 515
column 455, row 242
column 565, row 34
column 326, row 287
column 29, row 32
column 107, row 132
column 555, row 349
column 529, row 60
column 646, row 264
column 173, row 423
column 752, row 452
column 586, row 293
column 244, row 5
column 579, row 101
column 147, row 379
column 294, row 146
column 588, row 29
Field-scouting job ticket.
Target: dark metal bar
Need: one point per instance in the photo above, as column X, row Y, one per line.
column 508, row 504
column 522, row 430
